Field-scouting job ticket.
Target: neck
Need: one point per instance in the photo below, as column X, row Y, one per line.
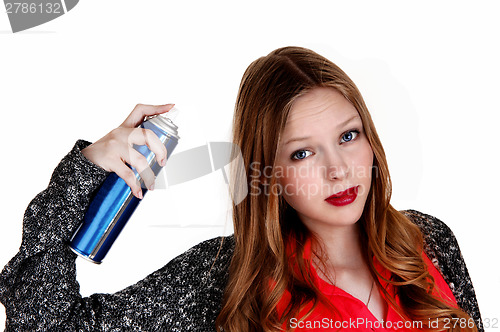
column 343, row 246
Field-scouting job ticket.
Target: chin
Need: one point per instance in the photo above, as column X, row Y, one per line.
column 344, row 216
column 347, row 218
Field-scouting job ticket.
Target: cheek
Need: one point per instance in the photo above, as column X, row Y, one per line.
column 297, row 183
column 366, row 156
column 364, row 164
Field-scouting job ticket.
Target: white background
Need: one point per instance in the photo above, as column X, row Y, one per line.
column 429, row 73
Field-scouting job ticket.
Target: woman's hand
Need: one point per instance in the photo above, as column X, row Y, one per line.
column 115, row 149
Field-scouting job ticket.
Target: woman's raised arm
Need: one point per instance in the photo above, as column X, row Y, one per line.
column 38, row 286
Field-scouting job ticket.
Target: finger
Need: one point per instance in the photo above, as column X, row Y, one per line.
column 139, row 162
column 147, row 137
column 129, row 177
column 136, row 117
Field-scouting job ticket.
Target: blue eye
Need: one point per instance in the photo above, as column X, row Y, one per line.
column 349, row 136
column 301, row 154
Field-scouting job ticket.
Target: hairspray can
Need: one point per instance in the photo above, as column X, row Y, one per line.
column 114, row 203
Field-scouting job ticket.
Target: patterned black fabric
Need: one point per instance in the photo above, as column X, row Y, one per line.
column 39, row 290
column 442, row 248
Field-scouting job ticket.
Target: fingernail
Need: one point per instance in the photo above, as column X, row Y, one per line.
column 152, row 186
column 163, row 162
column 139, row 194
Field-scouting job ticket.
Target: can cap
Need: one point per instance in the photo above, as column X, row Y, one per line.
column 172, row 114
column 165, row 121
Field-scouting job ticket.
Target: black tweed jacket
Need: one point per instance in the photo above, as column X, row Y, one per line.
column 39, row 290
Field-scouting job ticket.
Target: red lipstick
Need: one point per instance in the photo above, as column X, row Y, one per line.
column 344, row 197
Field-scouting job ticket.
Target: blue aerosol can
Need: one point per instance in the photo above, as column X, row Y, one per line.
column 114, row 203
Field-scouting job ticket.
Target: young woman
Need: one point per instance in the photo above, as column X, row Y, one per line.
column 316, row 244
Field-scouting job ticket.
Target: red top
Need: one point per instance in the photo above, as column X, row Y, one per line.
column 355, row 315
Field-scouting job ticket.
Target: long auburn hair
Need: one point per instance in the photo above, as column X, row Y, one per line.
column 264, row 224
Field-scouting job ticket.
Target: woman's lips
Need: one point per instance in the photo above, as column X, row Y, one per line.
column 343, row 198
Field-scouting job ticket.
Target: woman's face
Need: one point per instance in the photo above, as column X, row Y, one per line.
column 324, row 151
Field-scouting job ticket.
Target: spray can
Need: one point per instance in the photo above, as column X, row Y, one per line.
column 114, row 203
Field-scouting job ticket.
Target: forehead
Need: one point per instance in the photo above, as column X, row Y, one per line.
column 321, row 107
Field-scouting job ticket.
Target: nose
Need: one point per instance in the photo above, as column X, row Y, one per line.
column 336, row 166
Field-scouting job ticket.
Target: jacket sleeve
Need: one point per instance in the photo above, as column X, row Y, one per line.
column 442, row 248
column 38, row 286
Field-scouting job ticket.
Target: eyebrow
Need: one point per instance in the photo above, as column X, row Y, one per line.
column 339, row 126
